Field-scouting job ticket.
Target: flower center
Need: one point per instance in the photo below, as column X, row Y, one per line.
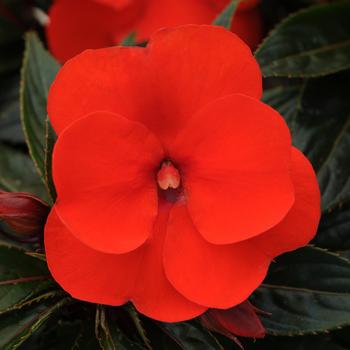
column 168, row 177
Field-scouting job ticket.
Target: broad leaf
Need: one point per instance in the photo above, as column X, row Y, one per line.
column 306, row 291
column 226, row 16
column 22, row 277
column 334, row 229
column 17, row 173
column 38, row 71
column 318, row 113
column 312, row 42
column 17, row 327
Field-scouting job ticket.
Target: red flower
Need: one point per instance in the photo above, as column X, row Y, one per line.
column 76, row 25
column 176, row 185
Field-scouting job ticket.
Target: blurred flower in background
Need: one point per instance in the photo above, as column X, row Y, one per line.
column 77, row 25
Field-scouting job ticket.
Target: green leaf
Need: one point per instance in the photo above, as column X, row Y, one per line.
column 306, row 291
column 10, row 126
column 16, row 327
column 295, row 343
column 318, row 113
column 138, row 324
column 64, row 334
column 108, row 333
column 226, row 16
column 17, row 173
column 334, row 229
column 310, row 43
column 38, row 71
column 129, row 40
column 190, row 336
column 22, row 278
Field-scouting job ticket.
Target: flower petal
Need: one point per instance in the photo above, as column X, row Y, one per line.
column 235, row 169
column 154, row 296
column 78, row 25
column 113, row 279
column 218, row 276
column 161, row 86
column 195, row 65
column 104, row 172
column 85, row 273
column 300, row 225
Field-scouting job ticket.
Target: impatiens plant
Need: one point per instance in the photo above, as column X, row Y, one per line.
column 166, row 200
column 171, row 176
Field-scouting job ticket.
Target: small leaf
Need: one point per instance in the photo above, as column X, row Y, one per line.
column 306, row 292
column 226, row 16
column 22, row 278
column 138, row 324
column 38, row 71
column 17, row 327
column 17, row 173
column 129, row 40
column 190, row 336
column 312, row 42
column 108, row 333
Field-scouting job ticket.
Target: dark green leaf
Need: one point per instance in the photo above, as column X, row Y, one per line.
column 10, row 125
column 310, row 43
column 38, row 71
column 22, row 277
column 318, row 113
column 334, row 229
column 138, row 325
column 108, row 333
column 17, row 173
column 16, row 327
column 226, row 16
column 294, row 343
column 190, row 336
column 306, row 291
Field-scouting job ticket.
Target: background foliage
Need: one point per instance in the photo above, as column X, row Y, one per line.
column 305, row 60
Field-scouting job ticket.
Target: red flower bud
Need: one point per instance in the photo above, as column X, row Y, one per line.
column 23, row 212
column 241, row 320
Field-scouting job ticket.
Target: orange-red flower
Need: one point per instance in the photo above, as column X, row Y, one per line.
column 76, row 25
column 176, row 185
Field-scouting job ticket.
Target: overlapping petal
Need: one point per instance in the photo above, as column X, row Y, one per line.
column 233, row 164
column 219, row 276
column 300, row 224
column 113, row 279
column 153, row 85
column 103, row 169
column 85, row 273
column 154, row 295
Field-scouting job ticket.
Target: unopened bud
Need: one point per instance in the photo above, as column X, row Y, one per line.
column 24, row 213
column 240, row 320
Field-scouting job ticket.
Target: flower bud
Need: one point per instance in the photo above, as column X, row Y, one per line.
column 24, row 213
column 240, row 320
